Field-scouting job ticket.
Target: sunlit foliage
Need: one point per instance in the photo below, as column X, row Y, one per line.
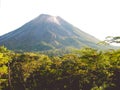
column 85, row 69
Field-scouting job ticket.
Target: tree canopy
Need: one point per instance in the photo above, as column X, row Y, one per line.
column 84, row 69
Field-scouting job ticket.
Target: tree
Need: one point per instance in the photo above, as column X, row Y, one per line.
column 111, row 39
column 4, row 68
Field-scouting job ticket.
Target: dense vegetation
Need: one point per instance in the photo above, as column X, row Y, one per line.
column 85, row 69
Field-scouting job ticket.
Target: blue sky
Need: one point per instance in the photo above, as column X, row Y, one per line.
column 99, row 18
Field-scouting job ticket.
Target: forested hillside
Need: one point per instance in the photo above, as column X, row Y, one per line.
column 84, row 69
column 47, row 32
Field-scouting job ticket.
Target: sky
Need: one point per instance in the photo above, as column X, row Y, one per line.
column 100, row 18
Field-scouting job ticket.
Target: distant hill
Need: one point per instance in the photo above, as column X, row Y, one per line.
column 45, row 33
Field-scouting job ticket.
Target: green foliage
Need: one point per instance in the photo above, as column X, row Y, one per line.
column 4, row 60
column 110, row 39
column 86, row 69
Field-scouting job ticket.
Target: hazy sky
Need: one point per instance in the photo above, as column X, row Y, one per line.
column 99, row 18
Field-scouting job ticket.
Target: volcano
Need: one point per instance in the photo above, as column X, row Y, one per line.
column 47, row 32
